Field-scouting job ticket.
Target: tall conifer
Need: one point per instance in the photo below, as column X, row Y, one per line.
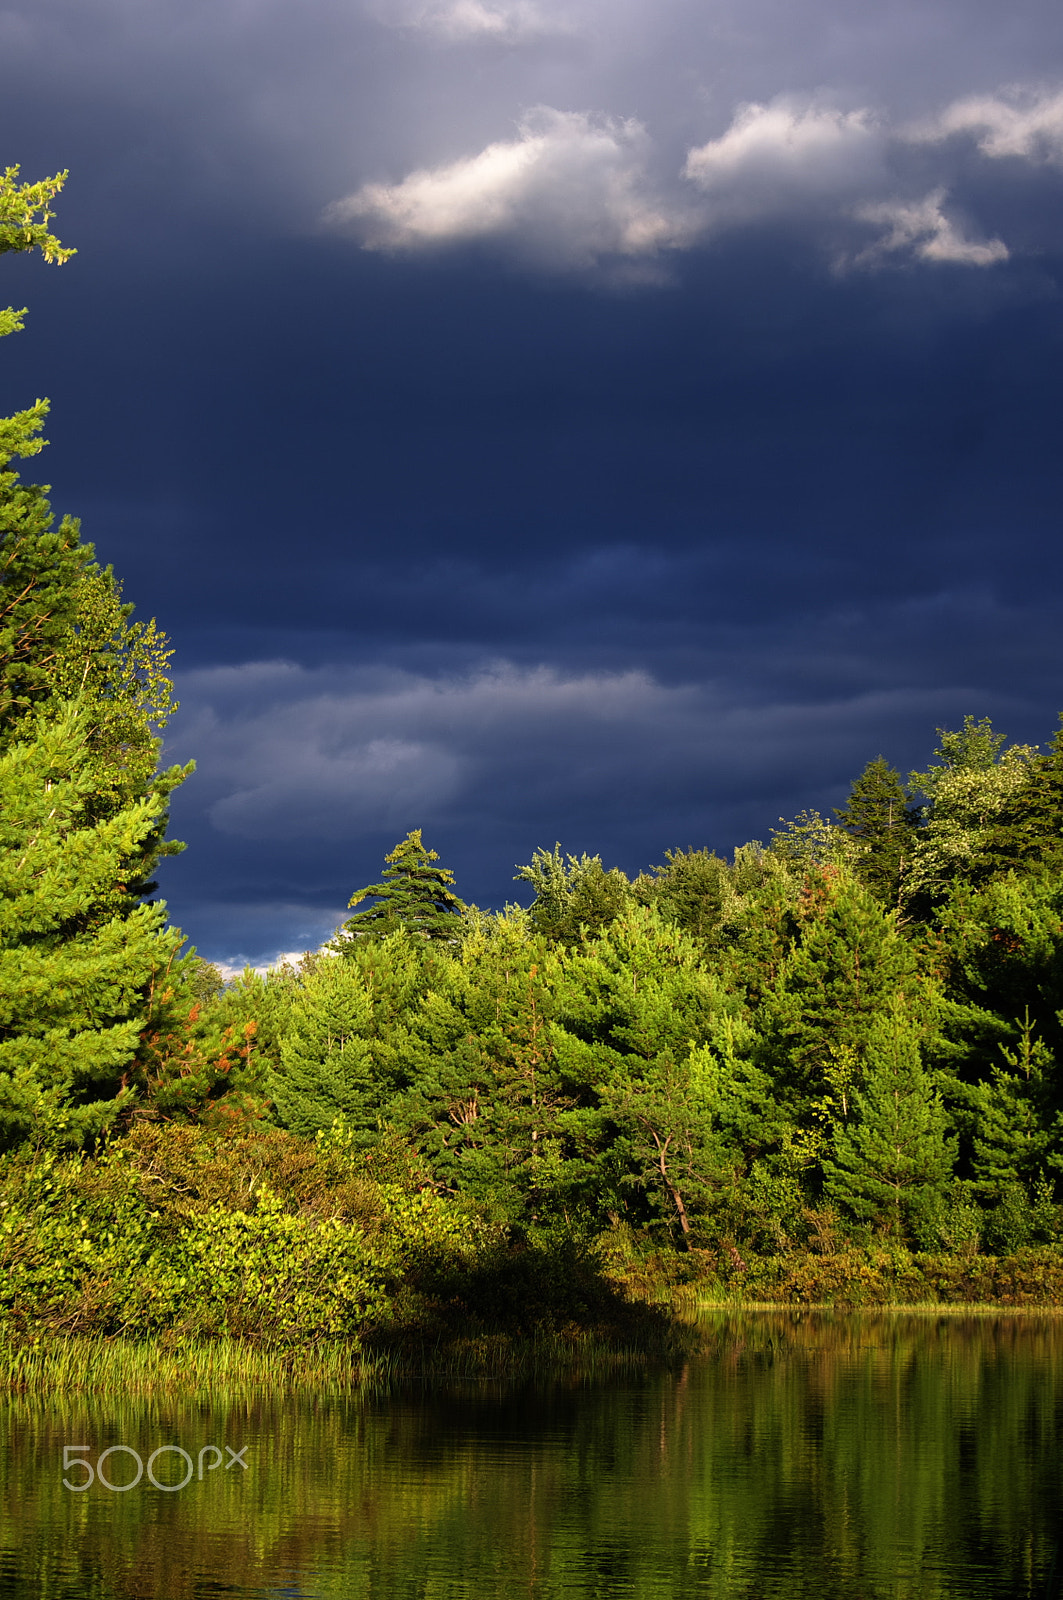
column 891, row 1164
column 414, row 894
column 879, row 816
column 85, row 968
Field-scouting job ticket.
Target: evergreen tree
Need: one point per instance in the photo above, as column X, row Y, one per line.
column 763, row 925
column 891, row 1164
column 489, row 1103
column 415, row 894
column 849, row 964
column 1012, row 1126
column 1036, row 813
column 1003, row 946
column 880, row 818
column 86, row 968
column 65, row 632
column 693, row 889
column 77, row 986
column 640, row 1019
column 40, row 568
column 344, row 1047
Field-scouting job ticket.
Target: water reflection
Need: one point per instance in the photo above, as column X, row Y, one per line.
column 850, row 1457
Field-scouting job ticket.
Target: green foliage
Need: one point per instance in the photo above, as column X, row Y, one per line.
column 809, row 843
column 117, row 669
column 264, row 1235
column 891, row 1164
column 574, row 896
column 25, row 212
column 489, row 1100
column 102, row 1246
column 343, row 1051
column 638, row 1015
column 39, row 568
column 694, row 889
column 879, row 817
column 86, row 969
column 415, row 895
column 1011, row 1138
column 975, row 795
column 844, row 972
column 77, row 984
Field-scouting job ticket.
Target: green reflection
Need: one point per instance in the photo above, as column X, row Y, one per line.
column 856, row 1457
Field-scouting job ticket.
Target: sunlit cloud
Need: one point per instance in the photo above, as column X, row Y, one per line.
column 570, row 190
column 577, row 191
column 775, row 157
column 1017, row 121
column 921, row 228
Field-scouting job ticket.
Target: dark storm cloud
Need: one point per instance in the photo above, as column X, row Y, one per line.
column 308, row 776
column 604, row 422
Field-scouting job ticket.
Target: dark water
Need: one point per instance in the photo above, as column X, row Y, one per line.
column 799, row 1457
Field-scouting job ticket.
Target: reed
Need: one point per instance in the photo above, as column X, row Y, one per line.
column 102, row 1365
column 105, row 1365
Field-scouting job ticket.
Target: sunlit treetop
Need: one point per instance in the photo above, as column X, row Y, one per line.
column 25, row 212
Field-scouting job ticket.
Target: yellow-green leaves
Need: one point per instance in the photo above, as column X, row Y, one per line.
column 26, row 211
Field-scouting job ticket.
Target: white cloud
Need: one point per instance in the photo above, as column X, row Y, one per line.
column 569, row 190
column 775, row 157
column 1014, row 122
column 283, row 958
column 921, row 227
column 574, row 190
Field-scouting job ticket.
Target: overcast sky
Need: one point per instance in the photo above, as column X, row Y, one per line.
column 599, row 421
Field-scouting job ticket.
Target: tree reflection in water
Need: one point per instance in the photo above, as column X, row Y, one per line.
column 840, row 1457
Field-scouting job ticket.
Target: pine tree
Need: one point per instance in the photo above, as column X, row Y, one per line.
column 1004, row 949
column 488, row 1102
column 77, row 986
column 833, row 988
column 879, row 816
column 415, row 894
column 39, row 567
column 891, row 1164
column 344, row 1045
column 1036, row 813
column 65, row 632
column 1012, row 1127
column 85, row 968
column 693, row 889
column 640, row 1018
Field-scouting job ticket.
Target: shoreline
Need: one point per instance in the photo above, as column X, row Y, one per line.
column 113, row 1364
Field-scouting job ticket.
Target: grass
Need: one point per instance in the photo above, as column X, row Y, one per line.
column 79, row 1362
column 86, row 1362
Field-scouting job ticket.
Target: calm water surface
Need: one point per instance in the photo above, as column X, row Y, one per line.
column 808, row 1456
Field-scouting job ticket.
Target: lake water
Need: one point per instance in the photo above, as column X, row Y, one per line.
column 841, row 1458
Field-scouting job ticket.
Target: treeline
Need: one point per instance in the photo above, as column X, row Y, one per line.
column 849, row 1033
